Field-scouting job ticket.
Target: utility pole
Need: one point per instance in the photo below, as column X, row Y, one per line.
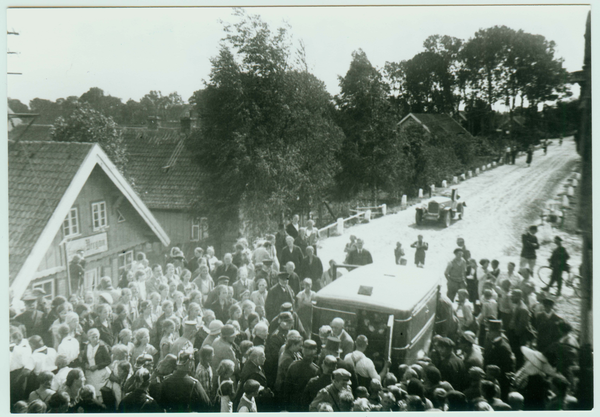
column 12, row 32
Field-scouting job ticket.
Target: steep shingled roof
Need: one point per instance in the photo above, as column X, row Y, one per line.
column 34, row 132
column 437, row 124
column 162, row 166
column 39, row 173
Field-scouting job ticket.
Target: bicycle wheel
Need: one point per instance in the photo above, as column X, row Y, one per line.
column 545, row 274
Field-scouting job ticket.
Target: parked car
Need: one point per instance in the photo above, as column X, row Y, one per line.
column 393, row 305
column 441, row 209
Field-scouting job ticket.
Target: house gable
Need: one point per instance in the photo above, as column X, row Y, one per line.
column 436, row 124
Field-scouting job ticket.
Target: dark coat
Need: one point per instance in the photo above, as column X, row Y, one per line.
column 298, row 375
column 295, row 255
column 362, row 257
column 453, row 370
column 182, row 393
column 315, row 385
column 275, row 298
column 33, row 322
column 230, row 271
column 292, row 231
column 312, row 270
column 138, row 401
column 221, row 312
column 102, row 356
column 106, row 332
column 530, row 244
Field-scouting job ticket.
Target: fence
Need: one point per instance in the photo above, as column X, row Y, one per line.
column 337, row 228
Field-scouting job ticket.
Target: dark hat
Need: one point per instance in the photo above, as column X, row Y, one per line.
column 287, row 306
column 309, row 344
column 517, row 292
column 446, row 342
column 342, row 374
column 469, row 336
column 494, row 325
column 223, row 278
column 143, row 359
column 476, row 372
column 228, row 331
column 333, row 344
column 29, row 296
column 558, row 238
column 283, row 275
column 548, row 300
column 286, row 316
column 458, row 249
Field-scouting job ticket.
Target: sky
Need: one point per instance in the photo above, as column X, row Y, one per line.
column 129, row 51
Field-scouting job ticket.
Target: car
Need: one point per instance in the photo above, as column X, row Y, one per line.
column 442, row 209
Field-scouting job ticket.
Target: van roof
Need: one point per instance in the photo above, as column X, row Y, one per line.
column 391, row 287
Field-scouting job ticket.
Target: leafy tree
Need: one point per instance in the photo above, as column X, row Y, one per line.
column 369, row 155
column 88, row 125
column 47, row 109
column 267, row 139
column 16, row 105
column 108, row 105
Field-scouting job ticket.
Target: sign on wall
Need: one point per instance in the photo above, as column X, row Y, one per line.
column 90, row 245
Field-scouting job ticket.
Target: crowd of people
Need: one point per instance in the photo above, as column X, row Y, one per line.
column 236, row 335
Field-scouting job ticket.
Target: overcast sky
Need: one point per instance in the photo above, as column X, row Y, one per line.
column 128, row 52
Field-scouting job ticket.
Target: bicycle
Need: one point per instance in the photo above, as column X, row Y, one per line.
column 573, row 281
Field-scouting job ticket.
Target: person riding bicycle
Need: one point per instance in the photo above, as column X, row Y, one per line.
column 558, row 263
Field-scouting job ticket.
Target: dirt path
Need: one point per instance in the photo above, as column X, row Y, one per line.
column 501, row 203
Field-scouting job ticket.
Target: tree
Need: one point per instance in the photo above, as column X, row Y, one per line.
column 369, row 154
column 267, row 140
column 90, row 126
column 107, row 105
column 16, row 105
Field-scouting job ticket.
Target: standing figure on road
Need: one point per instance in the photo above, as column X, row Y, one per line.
column 529, row 155
column 399, row 254
column 460, row 242
column 530, row 245
column 558, row 263
column 455, row 274
column 514, row 152
column 420, row 247
column 545, row 146
column 360, row 256
column 507, row 156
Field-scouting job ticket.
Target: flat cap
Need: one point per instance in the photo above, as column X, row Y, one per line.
column 342, row 374
column 287, row 306
column 309, row 344
column 283, row 275
column 286, row 316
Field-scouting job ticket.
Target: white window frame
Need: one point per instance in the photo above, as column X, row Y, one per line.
column 71, row 223
column 123, row 256
column 195, row 229
column 40, row 284
column 99, row 210
column 90, row 280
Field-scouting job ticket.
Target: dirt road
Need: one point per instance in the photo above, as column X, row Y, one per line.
column 501, row 204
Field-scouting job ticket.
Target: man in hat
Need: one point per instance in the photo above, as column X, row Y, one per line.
column 214, row 331
column 360, row 256
column 273, row 345
column 289, row 353
column 530, row 245
column 546, row 324
column 319, row 382
column 77, row 271
column 331, row 393
column 195, row 262
column 189, row 331
column 558, row 263
column 332, row 347
column 180, row 392
column 471, row 352
column 224, row 348
column 227, row 268
column 363, row 367
column 288, row 307
column 347, row 344
column 450, row 366
column 220, row 305
column 460, row 243
column 456, row 274
column 278, row 294
column 298, row 375
column 31, row 318
column 290, row 253
column 497, row 351
column 519, row 330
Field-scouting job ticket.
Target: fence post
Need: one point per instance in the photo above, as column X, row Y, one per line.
column 420, row 193
column 565, row 201
column 476, row 171
column 469, row 174
column 444, row 184
column 403, row 204
column 463, row 177
column 431, row 190
column 340, row 226
column 368, row 215
column 483, row 168
column 383, row 209
column 493, row 163
column 454, row 180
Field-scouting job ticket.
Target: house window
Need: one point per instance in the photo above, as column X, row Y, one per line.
column 125, row 261
column 47, row 286
column 195, row 229
column 99, row 220
column 71, row 223
column 91, row 279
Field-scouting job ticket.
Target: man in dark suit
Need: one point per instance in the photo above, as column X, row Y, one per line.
column 278, row 294
column 242, row 284
column 227, row 268
column 253, row 369
column 31, row 318
column 360, row 256
column 530, row 245
column 293, row 228
column 291, row 253
column 519, row 328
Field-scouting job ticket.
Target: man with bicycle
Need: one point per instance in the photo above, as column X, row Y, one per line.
column 558, row 263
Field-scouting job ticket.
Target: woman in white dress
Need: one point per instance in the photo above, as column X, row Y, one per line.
column 95, row 357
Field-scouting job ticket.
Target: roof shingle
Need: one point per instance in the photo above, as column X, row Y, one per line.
column 39, row 173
